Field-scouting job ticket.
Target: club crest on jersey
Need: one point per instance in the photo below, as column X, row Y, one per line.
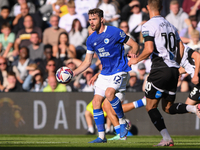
column 106, row 41
column 122, row 34
column 95, row 43
column 145, row 33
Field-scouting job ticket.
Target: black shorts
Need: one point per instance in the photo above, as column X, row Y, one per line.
column 162, row 83
column 195, row 94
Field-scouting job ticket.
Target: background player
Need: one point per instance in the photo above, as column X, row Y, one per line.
column 161, row 42
column 107, row 42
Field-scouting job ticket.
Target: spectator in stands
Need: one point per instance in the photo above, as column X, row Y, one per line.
column 5, row 18
column 135, row 17
column 65, row 49
column 13, row 85
column 4, row 3
column 17, row 7
column 188, row 5
column 110, row 13
column 66, row 21
column 48, row 55
column 22, row 62
column 53, row 85
column 60, row 8
column 47, row 7
column 50, row 69
column 177, row 16
column 82, row 7
column 23, row 36
column 18, row 22
column 36, row 49
column 134, row 85
column 141, row 74
column 77, row 37
column 185, row 34
column 53, row 30
column 195, row 11
column 34, row 81
column 72, row 64
column 124, row 26
column 4, row 69
column 83, row 84
column 194, row 42
column 6, row 40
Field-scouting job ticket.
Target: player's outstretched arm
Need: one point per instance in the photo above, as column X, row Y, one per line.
column 149, row 47
column 84, row 65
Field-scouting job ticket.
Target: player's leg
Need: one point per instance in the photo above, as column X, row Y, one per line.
column 157, row 82
column 158, row 121
column 117, row 82
column 180, row 108
column 99, row 118
column 190, row 101
column 113, row 118
column 135, row 104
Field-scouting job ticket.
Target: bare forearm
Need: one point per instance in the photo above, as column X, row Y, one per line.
column 144, row 55
column 134, row 46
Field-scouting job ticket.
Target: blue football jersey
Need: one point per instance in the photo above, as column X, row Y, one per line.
column 109, row 47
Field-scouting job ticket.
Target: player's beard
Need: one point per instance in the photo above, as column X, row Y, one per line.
column 96, row 27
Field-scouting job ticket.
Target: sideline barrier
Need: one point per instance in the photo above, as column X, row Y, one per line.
column 63, row 113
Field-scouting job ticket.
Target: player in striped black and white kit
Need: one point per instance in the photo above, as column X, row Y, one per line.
column 190, row 64
column 162, row 43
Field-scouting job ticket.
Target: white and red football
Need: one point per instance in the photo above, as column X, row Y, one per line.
column 64, row 75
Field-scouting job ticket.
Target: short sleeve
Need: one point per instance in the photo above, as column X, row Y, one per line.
column 11, row 38
column 89, row 45
column 120, row 36
column 148, row 31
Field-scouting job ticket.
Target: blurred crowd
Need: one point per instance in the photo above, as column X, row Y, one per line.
column 39, row 36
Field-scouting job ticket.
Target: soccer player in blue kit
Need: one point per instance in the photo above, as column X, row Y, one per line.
column 107, row 42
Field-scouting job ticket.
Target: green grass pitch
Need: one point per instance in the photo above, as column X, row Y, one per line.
column 74, row 142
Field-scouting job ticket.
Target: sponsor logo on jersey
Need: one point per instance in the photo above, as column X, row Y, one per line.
column 158, row 94
column 101, row 50
column 106, row 41
column 145, row 33
column 122, row 34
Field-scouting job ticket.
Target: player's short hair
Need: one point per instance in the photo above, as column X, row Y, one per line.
column 155, row 4
column 174, row 2
column 97, row 11
column 6, row 25
column 71, row 3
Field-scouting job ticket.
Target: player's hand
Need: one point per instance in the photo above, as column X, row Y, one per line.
column 195, row 79
column 93, row 79
column 132, row 61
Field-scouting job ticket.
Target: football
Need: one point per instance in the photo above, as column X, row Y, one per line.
column 64, row 75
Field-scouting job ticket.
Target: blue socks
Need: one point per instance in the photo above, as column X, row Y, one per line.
column 117, row 129
column 117, row 106
column 99, row 119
